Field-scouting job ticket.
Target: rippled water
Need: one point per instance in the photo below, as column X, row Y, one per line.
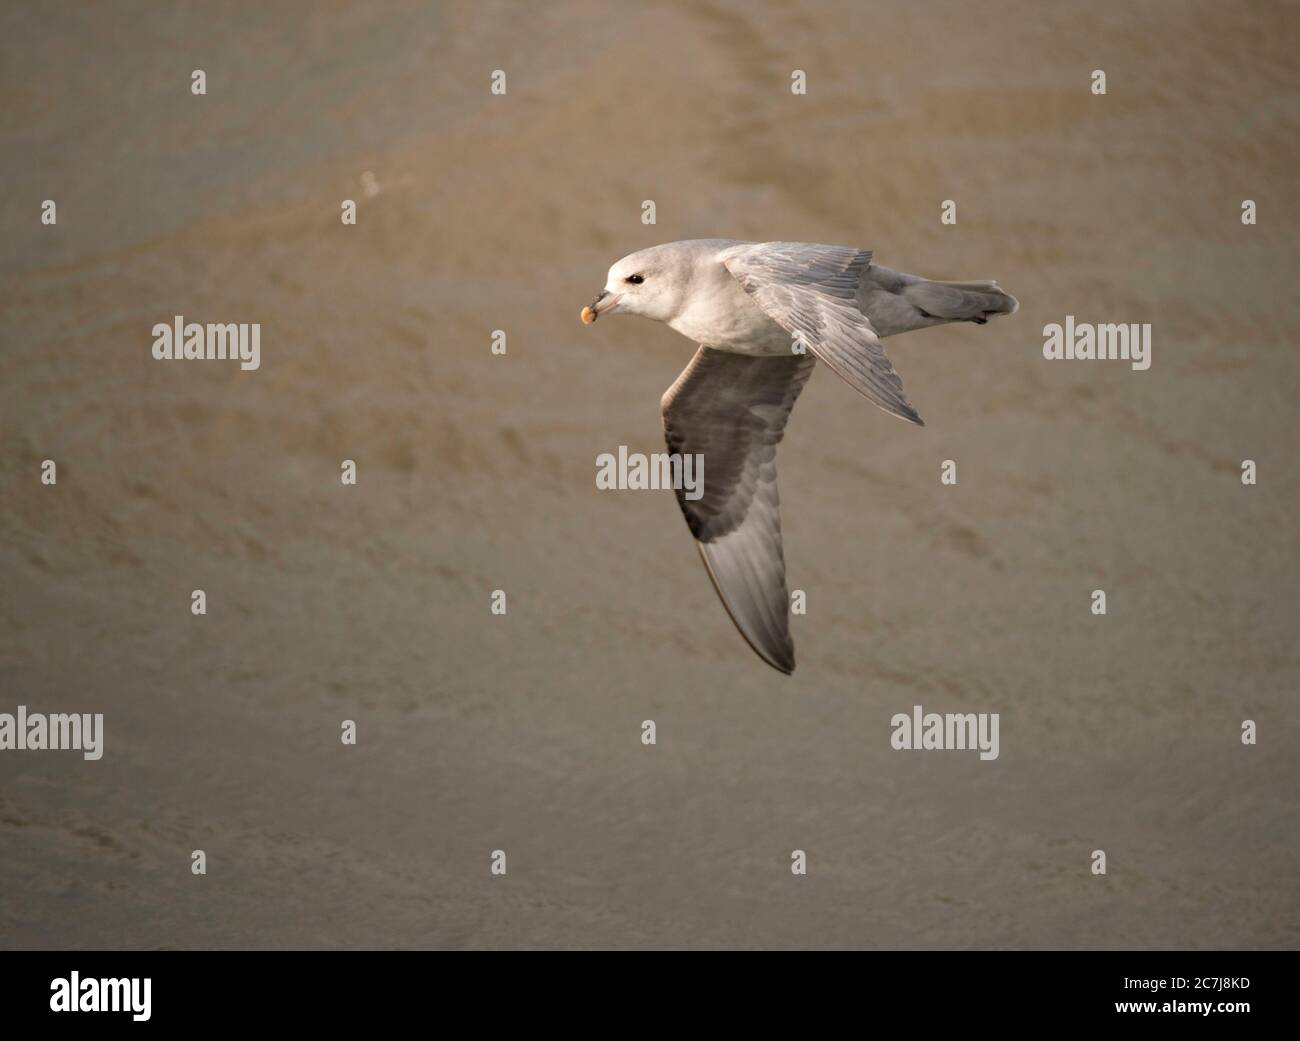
column 481, row 212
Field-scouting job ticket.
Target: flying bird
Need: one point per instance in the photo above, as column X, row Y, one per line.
column 764, row 313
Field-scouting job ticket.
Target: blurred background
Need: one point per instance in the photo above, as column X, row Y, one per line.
column 476, row 472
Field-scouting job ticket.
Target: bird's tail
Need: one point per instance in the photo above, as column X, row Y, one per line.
column 960, row 301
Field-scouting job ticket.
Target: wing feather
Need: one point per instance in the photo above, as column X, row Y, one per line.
column 811, row 290
column 732, row 409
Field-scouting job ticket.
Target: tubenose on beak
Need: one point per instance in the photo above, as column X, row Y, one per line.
column 592, row 312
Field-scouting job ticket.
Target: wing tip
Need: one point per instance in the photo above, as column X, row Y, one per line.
column 783, row 665
column 780, row 658
column 904, row 411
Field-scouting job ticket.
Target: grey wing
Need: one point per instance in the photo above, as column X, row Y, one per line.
column 812, row 290
column 732, row 409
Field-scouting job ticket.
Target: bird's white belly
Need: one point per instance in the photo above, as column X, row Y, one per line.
column 731, row 321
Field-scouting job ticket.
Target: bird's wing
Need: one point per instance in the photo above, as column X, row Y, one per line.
column 811, row 290
column 731, row 409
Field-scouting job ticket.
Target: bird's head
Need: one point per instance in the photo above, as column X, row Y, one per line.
column 642, row 283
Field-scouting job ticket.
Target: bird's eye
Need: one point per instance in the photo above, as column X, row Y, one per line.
column 636, row 280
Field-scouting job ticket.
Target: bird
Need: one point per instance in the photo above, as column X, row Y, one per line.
column 763, row 314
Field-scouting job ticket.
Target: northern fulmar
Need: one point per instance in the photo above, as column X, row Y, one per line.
column 764, row 313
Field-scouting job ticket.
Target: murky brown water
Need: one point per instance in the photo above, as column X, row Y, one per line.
column 476, row 473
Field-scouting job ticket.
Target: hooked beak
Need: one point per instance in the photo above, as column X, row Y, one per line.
column 603, row 302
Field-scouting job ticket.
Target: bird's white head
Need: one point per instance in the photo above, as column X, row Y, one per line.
column 652, row 283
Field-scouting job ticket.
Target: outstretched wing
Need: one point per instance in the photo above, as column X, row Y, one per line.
column 731, row 409
column 812, row 290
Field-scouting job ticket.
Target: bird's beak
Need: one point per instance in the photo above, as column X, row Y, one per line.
column 598, row 307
